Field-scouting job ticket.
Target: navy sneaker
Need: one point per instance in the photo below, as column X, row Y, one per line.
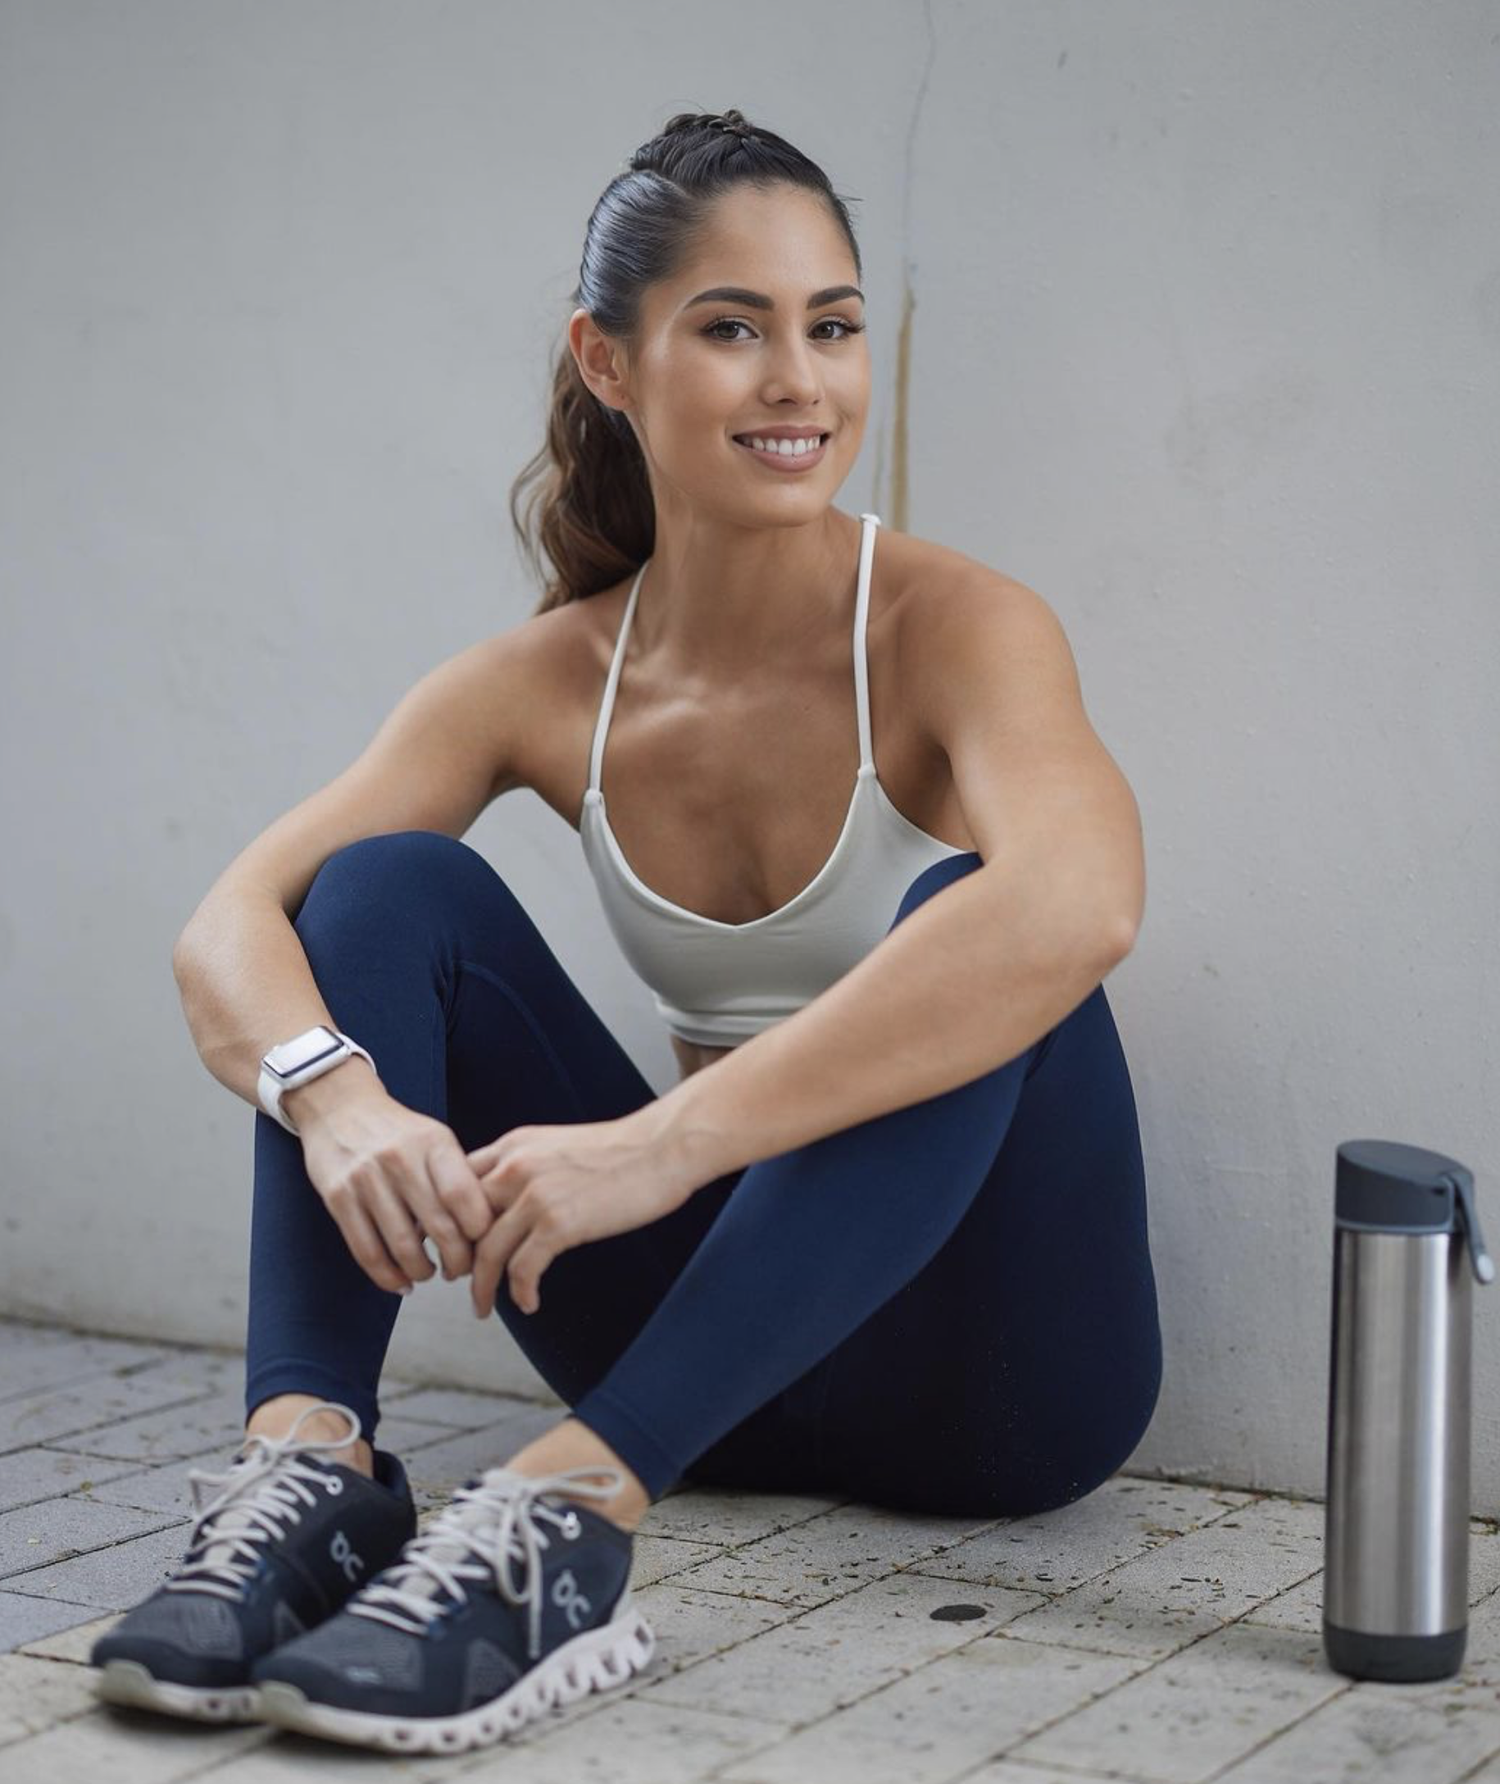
column 448, row 1650
column 287, row 1537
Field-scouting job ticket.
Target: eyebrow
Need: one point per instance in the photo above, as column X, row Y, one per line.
column 757, row 300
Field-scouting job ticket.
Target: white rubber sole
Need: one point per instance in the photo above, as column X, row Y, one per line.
column 594, row 1661
column 128, row 1682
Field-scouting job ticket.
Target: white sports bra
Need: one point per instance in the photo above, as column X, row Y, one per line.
column 716, row 983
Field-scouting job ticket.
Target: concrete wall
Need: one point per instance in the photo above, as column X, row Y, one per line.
column 1204, row 312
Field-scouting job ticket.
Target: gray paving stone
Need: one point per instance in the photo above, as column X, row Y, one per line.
column 728, row 1518
column 298, row 1759
column 34, row 1535
column 37, row 1694
column 437, row 1469
column 24, row 1620
column 622, row 1737
column 165, row 1487
column 1298, row 1607
column 1005, row 1771
column 209, row 1371
column 1481, row 1661
column 1197, row 1712
column 168, row 1485
column 825, row 1556
column 1163, row 1600
column 819, row 1660
column 189, row 1428
column 664, row 1557
column 1301, row 1606
column 127, row 1747
column 75, row 1642
column 459, row 1408
column 1382, row 1732
column 405, row 1436
column 34, row 1358
column 31, row 1474
column 691, row 1625
column 941, row 1721
column 111, row 1579
column 1055, row 1551
column 54, row 1413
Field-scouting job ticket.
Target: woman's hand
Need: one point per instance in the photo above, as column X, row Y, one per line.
column 388, row 1175
column 555, row 1187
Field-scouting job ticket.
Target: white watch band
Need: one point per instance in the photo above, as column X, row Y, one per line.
column 332, row 1047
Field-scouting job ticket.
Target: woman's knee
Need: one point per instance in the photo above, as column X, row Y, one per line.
column 414, row 868
column 401, row 852
column 932, row 879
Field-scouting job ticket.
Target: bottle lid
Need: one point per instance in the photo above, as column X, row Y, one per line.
column 1383, row 1186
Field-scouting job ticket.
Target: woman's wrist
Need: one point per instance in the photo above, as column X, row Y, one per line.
column 350, row 1078
column 672, row 1123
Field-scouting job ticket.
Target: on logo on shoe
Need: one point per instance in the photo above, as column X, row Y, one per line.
column 568, row 1599
column 343, row 1553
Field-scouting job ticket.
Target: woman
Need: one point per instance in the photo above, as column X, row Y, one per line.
column 891, row 1245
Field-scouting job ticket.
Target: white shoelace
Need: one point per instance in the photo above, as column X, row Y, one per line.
column 258, row 1498
column 495, row 1521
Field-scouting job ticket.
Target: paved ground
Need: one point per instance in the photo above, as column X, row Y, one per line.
column 1155, row 1631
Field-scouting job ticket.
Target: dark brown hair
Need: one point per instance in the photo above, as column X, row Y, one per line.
column 590, row 509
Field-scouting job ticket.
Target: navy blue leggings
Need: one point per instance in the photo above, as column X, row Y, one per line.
column 950, row 1308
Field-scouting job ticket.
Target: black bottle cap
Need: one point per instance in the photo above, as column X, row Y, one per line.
column 1384, row 1186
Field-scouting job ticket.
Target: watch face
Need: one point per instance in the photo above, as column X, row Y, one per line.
column 292, row 1056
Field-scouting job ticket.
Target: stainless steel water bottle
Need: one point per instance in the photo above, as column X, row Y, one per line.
column 1396, row 1521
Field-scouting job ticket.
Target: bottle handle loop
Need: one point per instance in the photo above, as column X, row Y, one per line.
column 1462, row 1183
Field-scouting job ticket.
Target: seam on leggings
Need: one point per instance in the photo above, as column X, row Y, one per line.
column 1051, row 1038
column 538, row 1033
column 1049, row 1041
column 437, row 1060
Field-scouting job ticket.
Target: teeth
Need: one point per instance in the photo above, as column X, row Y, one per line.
column 787, row 448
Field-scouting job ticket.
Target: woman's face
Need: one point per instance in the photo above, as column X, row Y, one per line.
column 704, row 370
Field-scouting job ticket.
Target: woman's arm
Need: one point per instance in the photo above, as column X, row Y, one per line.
column 984, row 968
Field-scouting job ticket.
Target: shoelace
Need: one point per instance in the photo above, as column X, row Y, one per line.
column 259, row 1499
column 496, row 1520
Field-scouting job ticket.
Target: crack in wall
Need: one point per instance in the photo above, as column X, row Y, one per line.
column 896, row 483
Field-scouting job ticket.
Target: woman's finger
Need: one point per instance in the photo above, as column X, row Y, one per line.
column 490, row 1257
column 524, row 1272
column 448, row 1180
column 366, row 1245
column 398, row 1228
column 462, row 1197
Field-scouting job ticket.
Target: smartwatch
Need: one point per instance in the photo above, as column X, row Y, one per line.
column 298, row 1061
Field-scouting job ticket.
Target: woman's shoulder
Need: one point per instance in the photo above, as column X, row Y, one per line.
column 563, row 642
column 924, row 574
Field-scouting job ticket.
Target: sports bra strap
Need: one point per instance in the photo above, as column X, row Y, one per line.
column 861, row 659
column 606, row 705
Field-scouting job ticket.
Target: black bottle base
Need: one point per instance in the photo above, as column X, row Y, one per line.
column 1395, row 1659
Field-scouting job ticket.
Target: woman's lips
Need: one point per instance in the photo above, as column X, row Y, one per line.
column 787, row 461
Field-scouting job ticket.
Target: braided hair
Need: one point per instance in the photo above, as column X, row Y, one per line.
column 590, row 510
column 733, row 123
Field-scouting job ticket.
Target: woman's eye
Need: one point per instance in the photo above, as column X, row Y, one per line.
column 849, row 328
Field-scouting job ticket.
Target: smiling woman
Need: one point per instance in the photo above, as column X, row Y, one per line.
column 865, row 850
